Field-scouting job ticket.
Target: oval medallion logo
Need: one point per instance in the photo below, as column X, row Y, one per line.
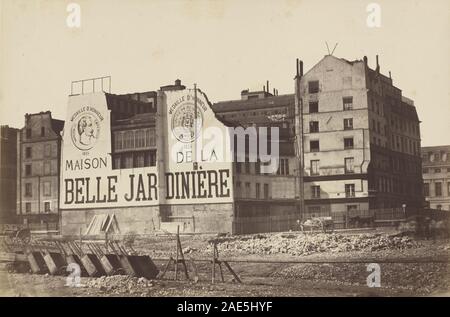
column 183, row 122
column 85, row 129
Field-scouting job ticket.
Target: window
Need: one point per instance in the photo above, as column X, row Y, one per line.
column 437, row 170
column 314, row 146
column 349, row 161
column 47, row 168
column 28, row 152
column 28, row 190
column 238, row 189
column 426, row 189
column 258, row 190
column 351, row 208
column 128, row 140
column 315, row 191
column 257, row 167
column 28, row 133
column 347, row 103
column 283, row 167
column 47, row 206
column 313, row 106
column 266, row 191
column 438, row 189
column 349, row 190
column 315, row 167
column 238, row 168
column 139, row 159
column 116, row 162
column 247, row 189
column 28, row 208
column 140, row 139
column 118, row 138
column 438, row 207
column 150, row 158
column 127, row 160
column 28, row 170
column 348, row 143
column 314, row 126
column 247, row 167
column 47, row 150
column 42, row 131
column 313, row 87
column 348, row 124
column 47, row 188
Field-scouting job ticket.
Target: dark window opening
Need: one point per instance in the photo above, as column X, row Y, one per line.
column 348, row 143
column 314, row 126
column 313, row 106
column 313, row 87
column 314, row 146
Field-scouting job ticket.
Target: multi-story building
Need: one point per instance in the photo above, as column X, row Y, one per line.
column 142, row 162
column 8, row 168
column 436, row 176
column 361, row 140
column 264, row 201
column 38, row 171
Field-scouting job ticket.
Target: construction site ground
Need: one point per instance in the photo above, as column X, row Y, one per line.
column 336, row 266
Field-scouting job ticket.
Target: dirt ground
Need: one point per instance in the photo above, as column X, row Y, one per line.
column 429, row 276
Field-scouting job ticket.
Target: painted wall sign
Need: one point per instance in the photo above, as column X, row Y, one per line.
column 87, row 177
column 195, row 170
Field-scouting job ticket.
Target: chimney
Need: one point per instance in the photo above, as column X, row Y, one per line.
column 378, row 65
column 268, row 90
column 274, row 91
column 365, row 60
column 264, row 88
column 301, row 68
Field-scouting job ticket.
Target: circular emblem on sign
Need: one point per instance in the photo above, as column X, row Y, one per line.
column 184, row 122
column 85, row 130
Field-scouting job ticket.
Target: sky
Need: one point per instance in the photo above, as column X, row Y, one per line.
column 223, row 46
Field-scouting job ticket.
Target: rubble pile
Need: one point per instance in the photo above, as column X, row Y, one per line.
column 422, row 278
column 309, row 244
column 118, row 284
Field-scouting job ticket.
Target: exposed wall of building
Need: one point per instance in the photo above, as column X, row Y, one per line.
column 335, row 119
column 139, row 219
column 8, row 174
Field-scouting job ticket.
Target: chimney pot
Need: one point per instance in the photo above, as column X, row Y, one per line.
column 301, row 68
column 268, row 89
column 177, row 82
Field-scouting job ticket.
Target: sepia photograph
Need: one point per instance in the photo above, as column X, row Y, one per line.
column 210, row 150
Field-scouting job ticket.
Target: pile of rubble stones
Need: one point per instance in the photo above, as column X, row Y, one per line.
column 120, row 284
column 305, row 244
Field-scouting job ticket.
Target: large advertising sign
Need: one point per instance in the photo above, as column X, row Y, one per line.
column 197, row 168
column 88, row 179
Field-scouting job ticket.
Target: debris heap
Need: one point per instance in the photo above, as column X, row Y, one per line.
column 308, row 244
column 121, row 284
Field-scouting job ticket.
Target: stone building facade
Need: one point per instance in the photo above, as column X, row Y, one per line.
column 361, row 140
column 436, row 176
column 38, row 171
column 8, row 177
